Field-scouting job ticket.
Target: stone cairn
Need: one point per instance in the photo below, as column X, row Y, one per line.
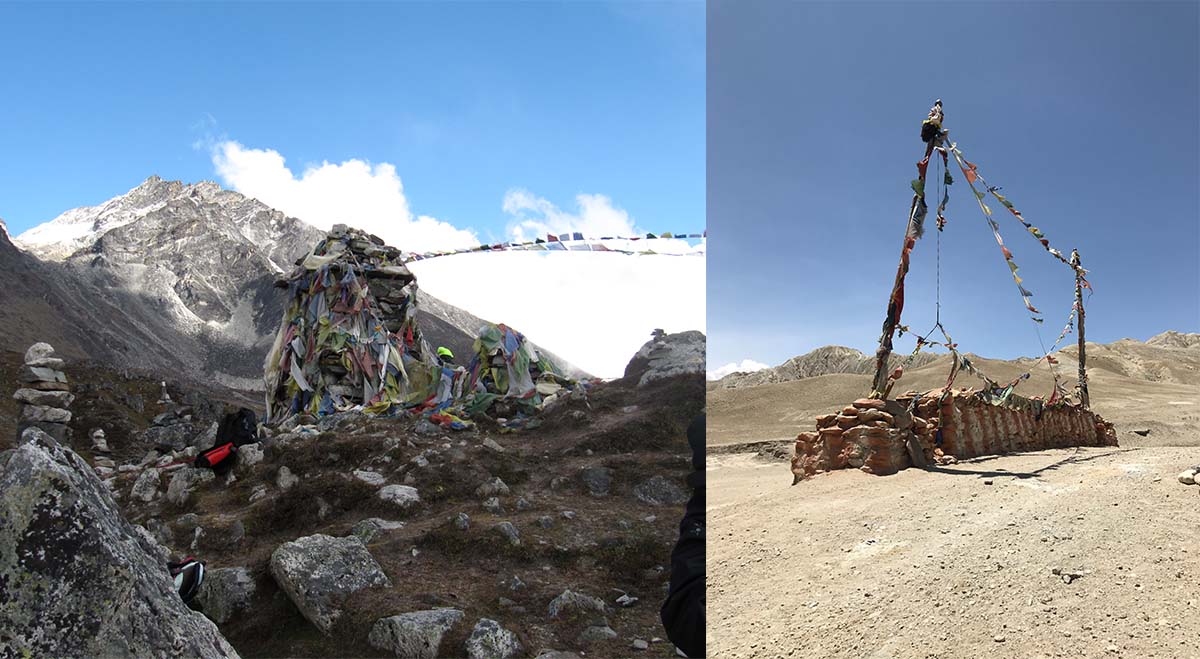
column 44, row 394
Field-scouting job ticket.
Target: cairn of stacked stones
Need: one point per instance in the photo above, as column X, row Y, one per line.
column 44, row 394
column 884, row 436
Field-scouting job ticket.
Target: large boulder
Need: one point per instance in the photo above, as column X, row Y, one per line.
column 416, row 635
column 76, row 579
column 225, row 592
column 318, row 571
column 667, row 356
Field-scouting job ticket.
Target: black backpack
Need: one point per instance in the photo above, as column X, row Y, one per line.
column 188, row 574
column 240, row 427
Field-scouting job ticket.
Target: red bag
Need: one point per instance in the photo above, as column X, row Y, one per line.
column 214, row 456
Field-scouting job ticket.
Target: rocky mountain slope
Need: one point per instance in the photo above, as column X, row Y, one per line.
column 1152, row 385
column 822, row 361
column 172, row 278
column 363, row 536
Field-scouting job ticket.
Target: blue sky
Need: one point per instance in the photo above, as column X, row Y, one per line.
column 467, row 101
column 1085, row 113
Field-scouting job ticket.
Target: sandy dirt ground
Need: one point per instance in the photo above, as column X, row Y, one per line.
column 958, row 562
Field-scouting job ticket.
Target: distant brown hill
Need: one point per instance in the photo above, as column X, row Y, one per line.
column 1153, row 384
column 822, row 361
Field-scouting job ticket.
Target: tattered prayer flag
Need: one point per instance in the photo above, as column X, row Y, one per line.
column 971, row 175
column 986, row 211
column 979, row 194
column 921, row 166
column 1024, row 293
column 947, row 179
column 1011, row 266
column 918, row 187
column 1007, row 254
column 1036, row 232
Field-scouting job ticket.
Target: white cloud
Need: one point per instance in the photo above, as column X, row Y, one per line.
column 744, row 366
column 535, row 216
column 593, row 309
column 354, row 192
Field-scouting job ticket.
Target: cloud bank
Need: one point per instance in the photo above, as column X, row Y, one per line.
column 593, row 309
column 354, row 192
column 744, row 366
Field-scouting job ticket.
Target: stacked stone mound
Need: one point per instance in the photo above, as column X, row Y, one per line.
column 349, row 335
column 43, row 393
column 882, row 436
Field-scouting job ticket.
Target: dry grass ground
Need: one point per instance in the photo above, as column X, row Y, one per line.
column 960, row 561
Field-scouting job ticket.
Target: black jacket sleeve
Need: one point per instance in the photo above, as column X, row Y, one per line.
column 683, row 613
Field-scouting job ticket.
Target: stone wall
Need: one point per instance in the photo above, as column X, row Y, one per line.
column 884, row 436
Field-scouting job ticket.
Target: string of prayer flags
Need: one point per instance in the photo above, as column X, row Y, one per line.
column 969, row 172
column 1034, row 231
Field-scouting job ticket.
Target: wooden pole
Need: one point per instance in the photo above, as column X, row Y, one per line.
column 1083, row 384
column 896, row 301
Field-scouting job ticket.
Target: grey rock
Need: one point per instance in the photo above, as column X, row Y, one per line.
column 598, row 480
column 557, row 654
column 207, row 438
column 462, row 522
column 415, row 635
column 317, row 571
column 38, row 374
column 545, row 521
column 597, row 633
column 401, row 495
column 639, row 644
column 285, row 479
column 493, row 505
column 626, row 600
column 491, row 488
column 225, row 592
column 145, row 488
column 491, row 641
column 65, row 550
column 660, row 491
column 427, row 429
column 50, row 398
column 509, row 532
column 370, row 477
column 667, row 356
column 249, row 455
column 58, row 431
column 184, row 481
column 575, row 605
column 568, row 514
column 371, row 527
column 45, row 413
column 491, row 444
column 259, row 493
column 39, row 350
column 169, row 439
column 523, row 504
column 48, row 362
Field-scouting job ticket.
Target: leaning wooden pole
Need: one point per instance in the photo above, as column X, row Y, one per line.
column 1083, row 384
column 932, row 134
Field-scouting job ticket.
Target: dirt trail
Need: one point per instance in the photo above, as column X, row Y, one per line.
column 943, row 564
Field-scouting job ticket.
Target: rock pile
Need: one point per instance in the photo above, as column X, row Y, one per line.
column 348, row 335
column 43, row 393
column 884, row 436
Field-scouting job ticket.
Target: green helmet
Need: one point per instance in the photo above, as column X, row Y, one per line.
column 443, row 351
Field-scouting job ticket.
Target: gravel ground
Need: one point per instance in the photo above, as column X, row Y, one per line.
column 1088, row 552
